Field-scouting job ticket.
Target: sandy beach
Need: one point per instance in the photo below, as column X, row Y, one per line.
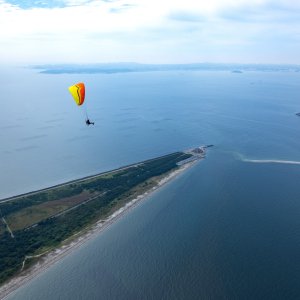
column 47, row 260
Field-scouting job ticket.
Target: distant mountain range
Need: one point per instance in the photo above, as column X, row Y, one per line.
column 110, row 68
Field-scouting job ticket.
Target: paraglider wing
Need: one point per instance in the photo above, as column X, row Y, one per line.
column 78, row 92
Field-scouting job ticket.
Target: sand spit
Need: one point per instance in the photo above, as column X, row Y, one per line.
column 80, row 238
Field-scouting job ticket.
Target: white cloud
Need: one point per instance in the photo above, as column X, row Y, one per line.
column 148, row 31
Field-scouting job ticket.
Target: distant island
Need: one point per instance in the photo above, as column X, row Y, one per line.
column 129, row 67
column 38, row 228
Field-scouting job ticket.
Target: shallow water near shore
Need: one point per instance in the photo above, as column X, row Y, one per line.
column 228, row 228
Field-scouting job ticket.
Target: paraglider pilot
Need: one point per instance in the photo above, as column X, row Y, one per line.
column 88, row 122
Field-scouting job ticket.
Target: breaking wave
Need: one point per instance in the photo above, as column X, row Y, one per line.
column 272, row 161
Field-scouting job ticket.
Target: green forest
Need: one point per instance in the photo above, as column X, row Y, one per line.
column 97, row 198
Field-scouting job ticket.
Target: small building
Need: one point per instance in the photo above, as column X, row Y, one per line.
column 198, row 150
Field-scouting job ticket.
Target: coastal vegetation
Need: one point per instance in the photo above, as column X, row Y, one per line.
column 37, row 222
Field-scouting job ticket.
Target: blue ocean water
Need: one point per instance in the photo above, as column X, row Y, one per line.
column 228, row 228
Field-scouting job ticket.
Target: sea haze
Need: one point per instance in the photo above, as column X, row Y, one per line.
column 228, row 228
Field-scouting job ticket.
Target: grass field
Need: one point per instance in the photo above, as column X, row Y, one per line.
column 31, row 215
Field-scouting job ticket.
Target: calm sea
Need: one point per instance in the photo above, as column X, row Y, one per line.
column 229, row 228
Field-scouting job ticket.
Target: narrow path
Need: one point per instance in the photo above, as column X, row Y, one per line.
column 9, row 230
column 32, row 256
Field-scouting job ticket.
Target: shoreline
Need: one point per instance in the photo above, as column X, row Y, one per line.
column 83, row 236
column 69, row 181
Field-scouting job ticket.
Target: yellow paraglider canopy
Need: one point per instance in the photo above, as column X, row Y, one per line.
column 78, row 92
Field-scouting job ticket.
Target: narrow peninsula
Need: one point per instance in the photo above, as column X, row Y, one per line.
column 39, row 228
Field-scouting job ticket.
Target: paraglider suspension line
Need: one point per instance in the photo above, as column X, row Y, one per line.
column 86, row 114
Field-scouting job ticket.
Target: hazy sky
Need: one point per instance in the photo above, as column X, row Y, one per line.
column 149, row 31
